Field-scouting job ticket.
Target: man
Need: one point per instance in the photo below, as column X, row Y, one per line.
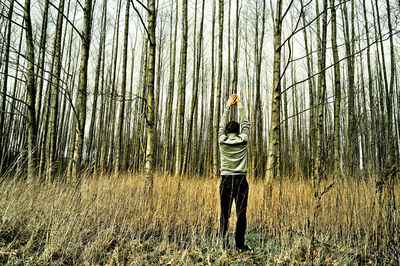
column 234, row 186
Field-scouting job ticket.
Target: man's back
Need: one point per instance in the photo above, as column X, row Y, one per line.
column 233, row 146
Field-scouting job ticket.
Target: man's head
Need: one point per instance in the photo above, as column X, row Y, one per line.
column 232, row 127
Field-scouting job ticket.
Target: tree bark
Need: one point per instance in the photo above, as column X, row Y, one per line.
column 5, row 83
column 170, row 95
column 273, row 159
column 150, row 123
column 337, row 92
column 212, row 93
column 42, row 50
column 236, row 58
column 82, row 91
column 258, row 114
column 319, row 157
column 372, row 147
column 99, row 71
column 218, row 95
column 351, row 132
column 391, row 154
column 31, row 92
column 121, row 117
column 310, row 92
column 181, row 92
column 51, row 156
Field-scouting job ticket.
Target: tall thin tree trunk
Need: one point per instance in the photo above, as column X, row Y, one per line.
column 273, row 159
column 51, row 156
column 82, row 90
column 5, row 83
column 372, row 148
column 7, row 146
column 258, row 114
column 236, row 58
column 319, row 157
column 310, row 92
column 228, row 71
column 351, row 132
column 31, row 92
column 391, row 154
column 158, row 91
column 191, row 128
column 111, row 95
column 171, row 83
column 384, row 122
column 121, row 117
column 181, row 91
column 92, row 134
column 337, row 92
column 150, row 123
column 219, row 84
column 42, row 50
column 212, row 93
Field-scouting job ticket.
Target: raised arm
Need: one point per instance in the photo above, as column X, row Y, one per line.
column 225, row 117
column 244, row 121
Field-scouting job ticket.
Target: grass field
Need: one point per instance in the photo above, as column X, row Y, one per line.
column 108, row 220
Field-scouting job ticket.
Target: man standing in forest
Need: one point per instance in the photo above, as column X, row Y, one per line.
column 234, row 186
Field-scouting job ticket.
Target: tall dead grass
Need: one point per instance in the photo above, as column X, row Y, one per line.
column 108, row 219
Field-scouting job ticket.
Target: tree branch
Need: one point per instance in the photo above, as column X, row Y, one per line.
column 145, row 7
column 79, row 3
column 12, row 113
column 287, row 10
column 308, row 24
column 12, row 21
column 141, row 20
column 14, row 98
column 326, row 68
column 66, row 18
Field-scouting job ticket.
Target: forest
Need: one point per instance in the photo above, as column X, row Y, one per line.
column 109, row 117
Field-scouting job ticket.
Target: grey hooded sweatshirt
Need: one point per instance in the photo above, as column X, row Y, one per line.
column 233, row 146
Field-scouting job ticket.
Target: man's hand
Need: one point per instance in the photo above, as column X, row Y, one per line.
column 231, row 100
column 238, row 102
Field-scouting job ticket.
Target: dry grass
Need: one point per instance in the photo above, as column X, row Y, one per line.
column 109, row 220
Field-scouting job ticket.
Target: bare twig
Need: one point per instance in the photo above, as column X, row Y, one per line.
column 79, row 3
column 309, row 23
column 287, row 10
column 12, row 21
column 66, row 18
column 342, row 59
column 14, row 98
column 141, row 20
column 145, row 7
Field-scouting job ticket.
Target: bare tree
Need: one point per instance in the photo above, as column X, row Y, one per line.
column 171, row 83
column 5, row 82
column 31, row 91
column 212, row 96
column 51, row 157
column 150, row 122
column 337, row 89
column 320, row 156
column 99, row 74
column 219, row 84
column 121, row 118
column 181, row 91
column 351, row 132
column 273, row 159
column 82, row 89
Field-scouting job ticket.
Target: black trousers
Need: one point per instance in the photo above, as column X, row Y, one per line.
column 234, row 188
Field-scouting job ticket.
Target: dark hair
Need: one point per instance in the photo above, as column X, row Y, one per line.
column 232, row 127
